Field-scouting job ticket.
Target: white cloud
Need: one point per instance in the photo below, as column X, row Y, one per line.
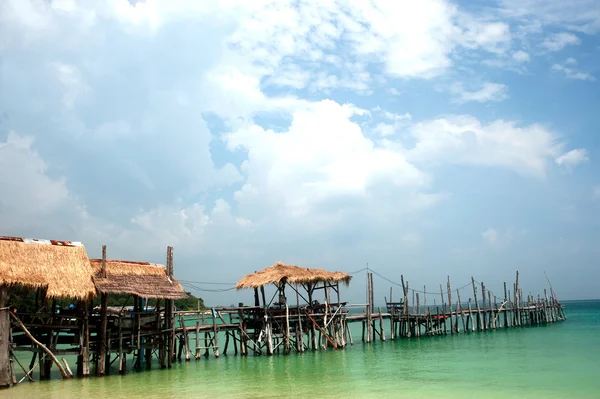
column 501, row 239
column 321, row 157
column 28, row 192
column 132, row 133
column 465, row 140
column 572, row 158
column 491, row 236
column 558, row 41
column 398, row 122
column 576, row 15
column 572, row 74
column 571, row 61
column 412, row 238
column 521, row 56
column 488, row 92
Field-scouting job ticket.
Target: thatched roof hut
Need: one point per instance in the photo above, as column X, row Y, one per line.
column 290, row 274
column 143, row 279
column 62, row 267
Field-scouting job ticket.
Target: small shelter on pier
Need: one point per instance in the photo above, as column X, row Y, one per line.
column 145, row 328
column 54, row 270
column 275, row 322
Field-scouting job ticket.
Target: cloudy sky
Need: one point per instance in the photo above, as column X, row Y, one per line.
column 425, row 138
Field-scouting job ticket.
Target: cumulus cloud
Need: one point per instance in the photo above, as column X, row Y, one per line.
column 28, row 192
column 570, row 73
column 577, row 16
column 558, row 41
column 521, row 56
column 465, row 140
column 322, row 156
column 487, row 92
column 572, row 158
column 213, row 125
column 491, row 236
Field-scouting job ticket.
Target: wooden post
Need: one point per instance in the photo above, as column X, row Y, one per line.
column 505, row 308
column 4, row 337
column 242, row 330
column 418, row 319
column 476, row 304
column 121, row 362
column 369, row 307
column 471, row 316
column 452, row 327
column 170, row 305
column 103, row 320
column 85, row 351
column 492, row 316
column 484, row 309
column 517, row 302
column 381, row 330
column 392, row 318
column 215, row 333
column 443, row 309
column 462, row 314
column 185, row 337
column 301, row 336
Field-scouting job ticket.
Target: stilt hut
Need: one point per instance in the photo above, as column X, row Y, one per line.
column 140, row 329
column 270, row 324
column 54, row 270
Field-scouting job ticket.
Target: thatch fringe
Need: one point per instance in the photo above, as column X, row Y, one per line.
column 291, row 274
column 143, row 279
column 62, row 269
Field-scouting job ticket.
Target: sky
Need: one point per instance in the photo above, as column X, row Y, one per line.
column 424, row 138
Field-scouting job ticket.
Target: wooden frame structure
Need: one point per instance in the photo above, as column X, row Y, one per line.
column 54, row 270
column 267, row 325
column 140, row 331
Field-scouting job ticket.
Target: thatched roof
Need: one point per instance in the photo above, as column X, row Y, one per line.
column 290, row 274
column 62, row 267
column 143, row 279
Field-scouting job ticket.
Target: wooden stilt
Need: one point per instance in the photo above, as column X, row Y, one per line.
column 476, row 305
column 5, row 375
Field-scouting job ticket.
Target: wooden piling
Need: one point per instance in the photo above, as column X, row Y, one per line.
column 103, row 320
column 5, row 375
column 452, row 326
column 476, row 304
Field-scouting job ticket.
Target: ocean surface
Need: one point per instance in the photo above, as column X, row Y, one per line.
column 560, row 360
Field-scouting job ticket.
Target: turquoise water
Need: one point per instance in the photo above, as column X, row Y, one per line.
column 555, row 361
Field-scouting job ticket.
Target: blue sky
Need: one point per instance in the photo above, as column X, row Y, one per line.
column 426, row 138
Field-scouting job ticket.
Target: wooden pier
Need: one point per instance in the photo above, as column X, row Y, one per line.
column 304, row 313
column 408, row 319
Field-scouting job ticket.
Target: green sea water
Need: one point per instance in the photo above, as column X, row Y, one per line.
column 561, row 360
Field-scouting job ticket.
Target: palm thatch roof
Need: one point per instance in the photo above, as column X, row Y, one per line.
column 280, row 272
column 143, row 279
column 62, row 267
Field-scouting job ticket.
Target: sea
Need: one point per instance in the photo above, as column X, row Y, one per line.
column 560, row 360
